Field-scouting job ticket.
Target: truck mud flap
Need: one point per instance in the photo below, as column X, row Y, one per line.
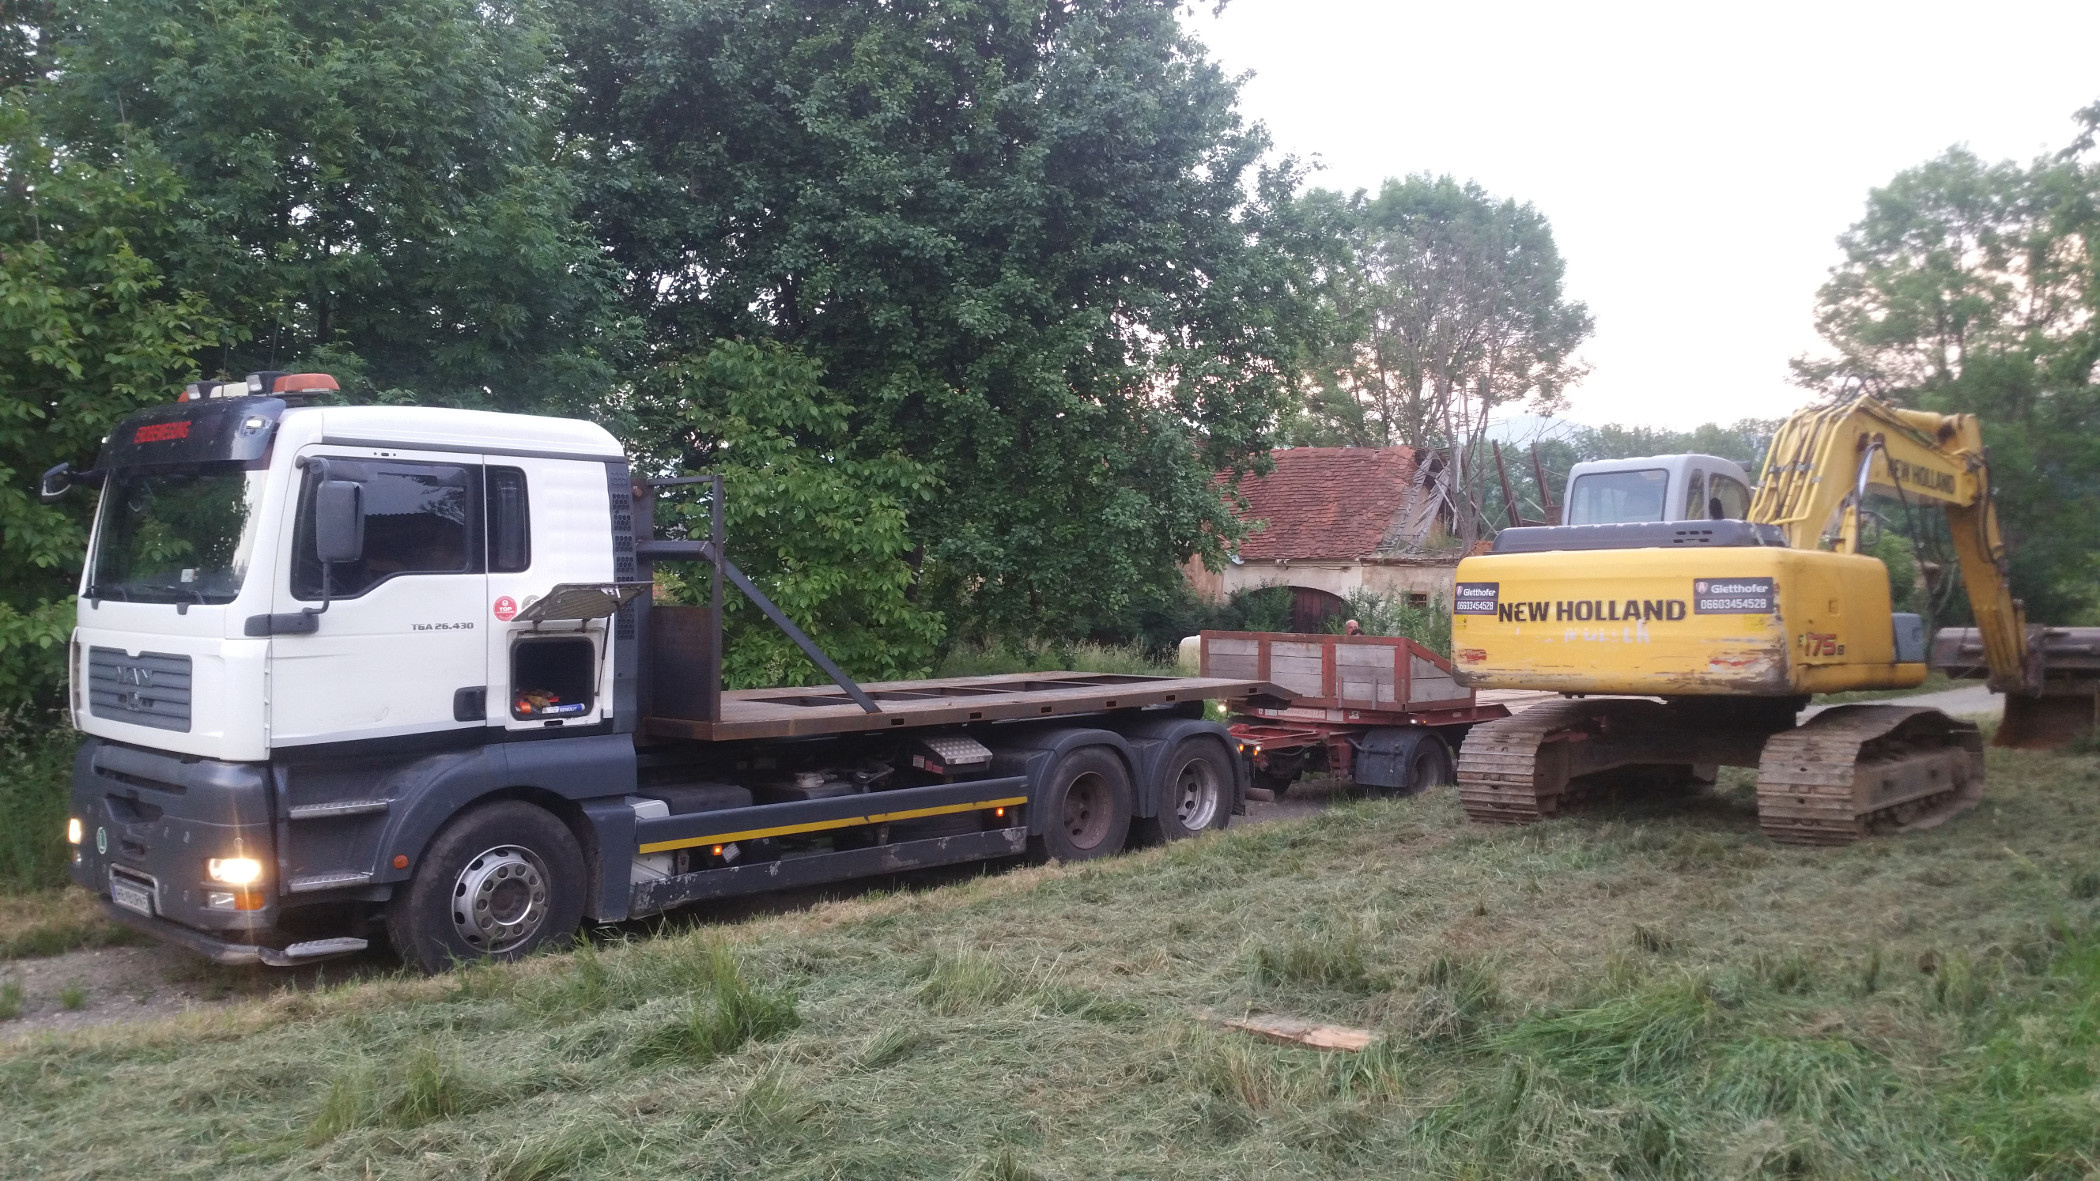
column 820, row 868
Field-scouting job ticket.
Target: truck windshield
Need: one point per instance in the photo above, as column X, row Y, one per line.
column 1609, row 498
column 175, row 535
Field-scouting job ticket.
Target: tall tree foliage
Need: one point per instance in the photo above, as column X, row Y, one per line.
column 1451, row 307
column 1030, row 244
column 820, row 523
column 375, row 190
column 89, row 331
column 1974, row 287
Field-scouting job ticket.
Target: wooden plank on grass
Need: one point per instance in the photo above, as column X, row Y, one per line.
column 1292, row 1031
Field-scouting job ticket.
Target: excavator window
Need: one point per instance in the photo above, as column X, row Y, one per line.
column 1695, row 497
column 1609, row 498
column 1730, row 500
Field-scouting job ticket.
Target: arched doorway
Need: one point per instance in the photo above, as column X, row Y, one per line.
column 1312, row 608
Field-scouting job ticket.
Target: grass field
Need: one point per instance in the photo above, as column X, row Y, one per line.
column 1627, row 993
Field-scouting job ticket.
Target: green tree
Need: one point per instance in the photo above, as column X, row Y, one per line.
column 373, row 190
column 820, row 525
column 1975, row 288
column 1451, row 308
column 1031, row 245
column 89, row 331
column 1745, row 441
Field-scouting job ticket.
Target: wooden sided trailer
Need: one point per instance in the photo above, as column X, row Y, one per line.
column 1383, row 711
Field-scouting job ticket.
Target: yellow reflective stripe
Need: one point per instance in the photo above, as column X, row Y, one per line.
column 752, row 834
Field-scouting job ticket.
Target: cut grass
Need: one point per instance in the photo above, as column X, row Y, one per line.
column 50, row 922
column 1636, row 991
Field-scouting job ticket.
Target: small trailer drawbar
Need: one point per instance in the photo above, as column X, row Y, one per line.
column 346, row 669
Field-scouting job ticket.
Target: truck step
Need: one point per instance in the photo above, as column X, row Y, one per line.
column 340, row 945
column 329, row 881
column 338, row 808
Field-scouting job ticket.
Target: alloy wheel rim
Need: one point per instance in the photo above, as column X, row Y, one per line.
column 499, row 900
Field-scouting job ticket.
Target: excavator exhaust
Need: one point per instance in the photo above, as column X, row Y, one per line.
column 2068, row 705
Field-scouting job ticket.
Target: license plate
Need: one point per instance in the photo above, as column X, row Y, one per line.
column 131, row 896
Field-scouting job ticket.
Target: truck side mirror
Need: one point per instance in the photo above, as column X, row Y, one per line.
column 339, row 521
column 60, row 479
column 55, row 483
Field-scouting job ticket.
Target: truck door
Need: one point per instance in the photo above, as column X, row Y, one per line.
column 400, row 648
column 549, row 522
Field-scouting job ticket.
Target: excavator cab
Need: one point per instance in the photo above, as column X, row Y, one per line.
column 1658, row 488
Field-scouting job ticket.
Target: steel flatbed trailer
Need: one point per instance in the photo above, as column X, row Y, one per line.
column 778, row 713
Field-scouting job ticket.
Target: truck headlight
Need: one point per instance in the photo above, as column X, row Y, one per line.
column 234, row 871
column 72, row 830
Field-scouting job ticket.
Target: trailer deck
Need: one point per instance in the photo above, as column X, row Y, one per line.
column 796, row 713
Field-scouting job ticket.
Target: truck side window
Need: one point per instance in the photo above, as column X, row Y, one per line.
column 1695, row 497
column 510, row 521
column 420, row 518
column 1731, row 501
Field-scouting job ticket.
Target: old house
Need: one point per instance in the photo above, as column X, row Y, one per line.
column 1331, row 520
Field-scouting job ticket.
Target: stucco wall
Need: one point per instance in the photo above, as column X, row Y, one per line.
column 1337, row 578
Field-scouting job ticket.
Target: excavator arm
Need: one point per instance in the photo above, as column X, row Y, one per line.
column 1822, row 464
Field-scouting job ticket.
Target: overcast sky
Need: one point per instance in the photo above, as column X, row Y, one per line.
column 1697, row 162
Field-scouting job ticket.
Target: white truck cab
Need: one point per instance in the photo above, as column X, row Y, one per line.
column 204, row 625
column 345, row 668
column 1657, row 488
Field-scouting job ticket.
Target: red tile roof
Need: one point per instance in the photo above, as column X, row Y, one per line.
column 1326, row 502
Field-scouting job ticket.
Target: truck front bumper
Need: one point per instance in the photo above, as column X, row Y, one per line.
column 152, row 821
column 226, row 951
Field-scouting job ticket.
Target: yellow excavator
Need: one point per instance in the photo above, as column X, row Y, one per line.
column 1688, row 632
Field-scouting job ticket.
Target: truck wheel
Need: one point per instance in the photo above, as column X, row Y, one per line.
column 499, row 883
column 1195, row 791
column 1086, row 807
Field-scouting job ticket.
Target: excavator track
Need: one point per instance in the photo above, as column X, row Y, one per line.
column 1515, row 769
column 1859, row 769
column 1850, row 771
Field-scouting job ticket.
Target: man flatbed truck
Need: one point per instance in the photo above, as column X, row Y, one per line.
column 346, row 670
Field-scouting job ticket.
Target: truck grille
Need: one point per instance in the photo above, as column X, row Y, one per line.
column 150, row 689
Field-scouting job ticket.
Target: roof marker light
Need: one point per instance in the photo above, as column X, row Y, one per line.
column 304, row 383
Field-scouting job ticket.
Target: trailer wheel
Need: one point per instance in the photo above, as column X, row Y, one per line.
column 1283, row 770
column 1430, row 766
column 1195, row 791
column 1086, row 808
column 499, row 882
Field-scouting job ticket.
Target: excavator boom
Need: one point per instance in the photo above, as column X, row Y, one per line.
column 1823, row 463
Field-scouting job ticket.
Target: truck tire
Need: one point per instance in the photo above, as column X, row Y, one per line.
column 499, row 882
column 1195, row 791
column 1086, row 807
